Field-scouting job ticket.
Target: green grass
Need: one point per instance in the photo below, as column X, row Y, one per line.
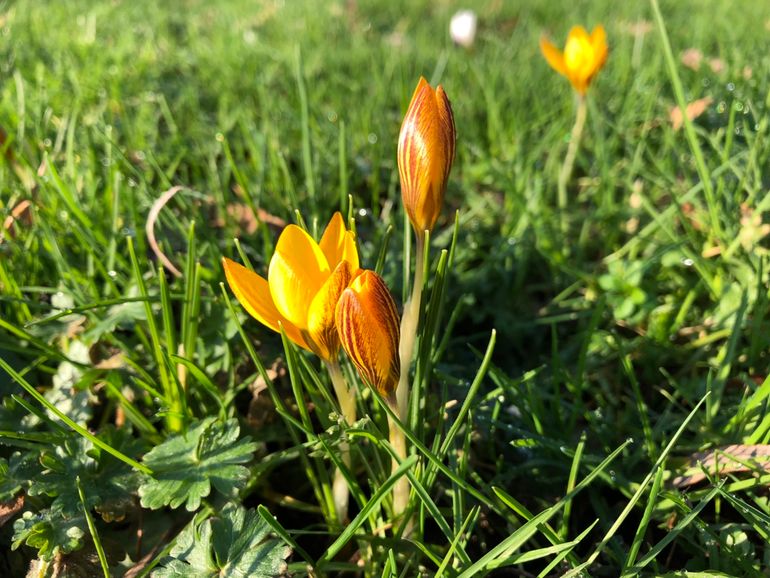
column 622, row 344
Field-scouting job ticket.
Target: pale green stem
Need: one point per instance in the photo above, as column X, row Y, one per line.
column 409, row 322
column 397, row 440
column 347, row 401
column 569, row 160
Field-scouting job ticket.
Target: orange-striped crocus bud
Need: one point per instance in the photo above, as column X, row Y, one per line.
column 426, row 149
column 367, row 322
column 583, row 56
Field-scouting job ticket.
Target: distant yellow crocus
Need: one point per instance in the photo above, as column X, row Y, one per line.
column 583, row 56
column 367, row 322
column 426, row 149
column 304, row 282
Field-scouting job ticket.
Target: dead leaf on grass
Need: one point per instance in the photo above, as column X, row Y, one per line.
column 692, row 58
column 693, row 111
column 10, row 508
column 730, row 459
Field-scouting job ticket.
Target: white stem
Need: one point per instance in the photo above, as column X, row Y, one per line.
column 347, row 401
column 409, row 324
column 397, row 440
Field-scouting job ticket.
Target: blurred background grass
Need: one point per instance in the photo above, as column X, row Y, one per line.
column 629, row 318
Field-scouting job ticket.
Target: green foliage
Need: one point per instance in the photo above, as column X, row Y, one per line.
column 233, row 544
column 537, row 451
column 109, row 484
column 186, row 466
column 52, row 533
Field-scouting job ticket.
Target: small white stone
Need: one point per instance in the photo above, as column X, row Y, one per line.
column 462, row 28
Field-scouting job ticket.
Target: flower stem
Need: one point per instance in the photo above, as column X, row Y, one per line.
column 397, row 440
column 409, row 323
column 347, row 401
column 569, row 159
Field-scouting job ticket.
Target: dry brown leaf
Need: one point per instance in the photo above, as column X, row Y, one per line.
column 21, row 213
column 10, row 508
column 114, row 362
column 724, row 460
column 717, row 65
column 693, row 111
column 692, row 58
column 150, row 228
column 747, row 72
column 638, row 28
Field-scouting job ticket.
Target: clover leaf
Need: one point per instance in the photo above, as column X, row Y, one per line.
column 234, row 544
column 187, row 465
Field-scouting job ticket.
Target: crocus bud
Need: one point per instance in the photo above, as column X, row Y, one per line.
column 584, row 55
column 426, row 149
column 367, row 322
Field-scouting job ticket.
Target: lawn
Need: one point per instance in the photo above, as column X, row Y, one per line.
column 589, row 391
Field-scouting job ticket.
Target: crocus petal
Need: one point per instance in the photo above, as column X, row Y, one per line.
column 321, row 327
column 584, row 54
column 297, row 271
column 368, row 325
column 339, row 244
column 553, row 56
column 426, row 147
column 253, row 294
column 599, row 42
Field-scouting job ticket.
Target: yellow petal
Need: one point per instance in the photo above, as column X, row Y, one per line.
column 253, row 294
column 599, row 42
column 321, row 326
column 367, row 322
column 553, row 56
column 297, row 271
column 338, row 244
column 426, row 148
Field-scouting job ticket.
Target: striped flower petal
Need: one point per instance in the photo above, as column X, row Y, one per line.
column 368, row 325
column 426, row 148
column 321, row 327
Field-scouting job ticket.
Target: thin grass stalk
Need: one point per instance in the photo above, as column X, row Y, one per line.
column 569, row 159
column 347, row 401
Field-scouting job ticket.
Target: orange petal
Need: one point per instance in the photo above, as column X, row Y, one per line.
column 599, row 42
column 553, row 56
column 253, row 294
column 297, row 271
column 368, row 326
column 320, row 321
column 338, row 244
column 426, row 148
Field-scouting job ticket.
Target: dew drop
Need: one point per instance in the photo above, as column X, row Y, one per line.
column 372, row 138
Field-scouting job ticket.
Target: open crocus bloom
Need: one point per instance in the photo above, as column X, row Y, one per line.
column 367, row 321
column 583, row 56
column 304, row 282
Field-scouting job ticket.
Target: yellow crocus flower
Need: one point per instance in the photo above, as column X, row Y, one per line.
column 367, row 322
column 304, row 282
column 426, row 149
column 583, row 56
